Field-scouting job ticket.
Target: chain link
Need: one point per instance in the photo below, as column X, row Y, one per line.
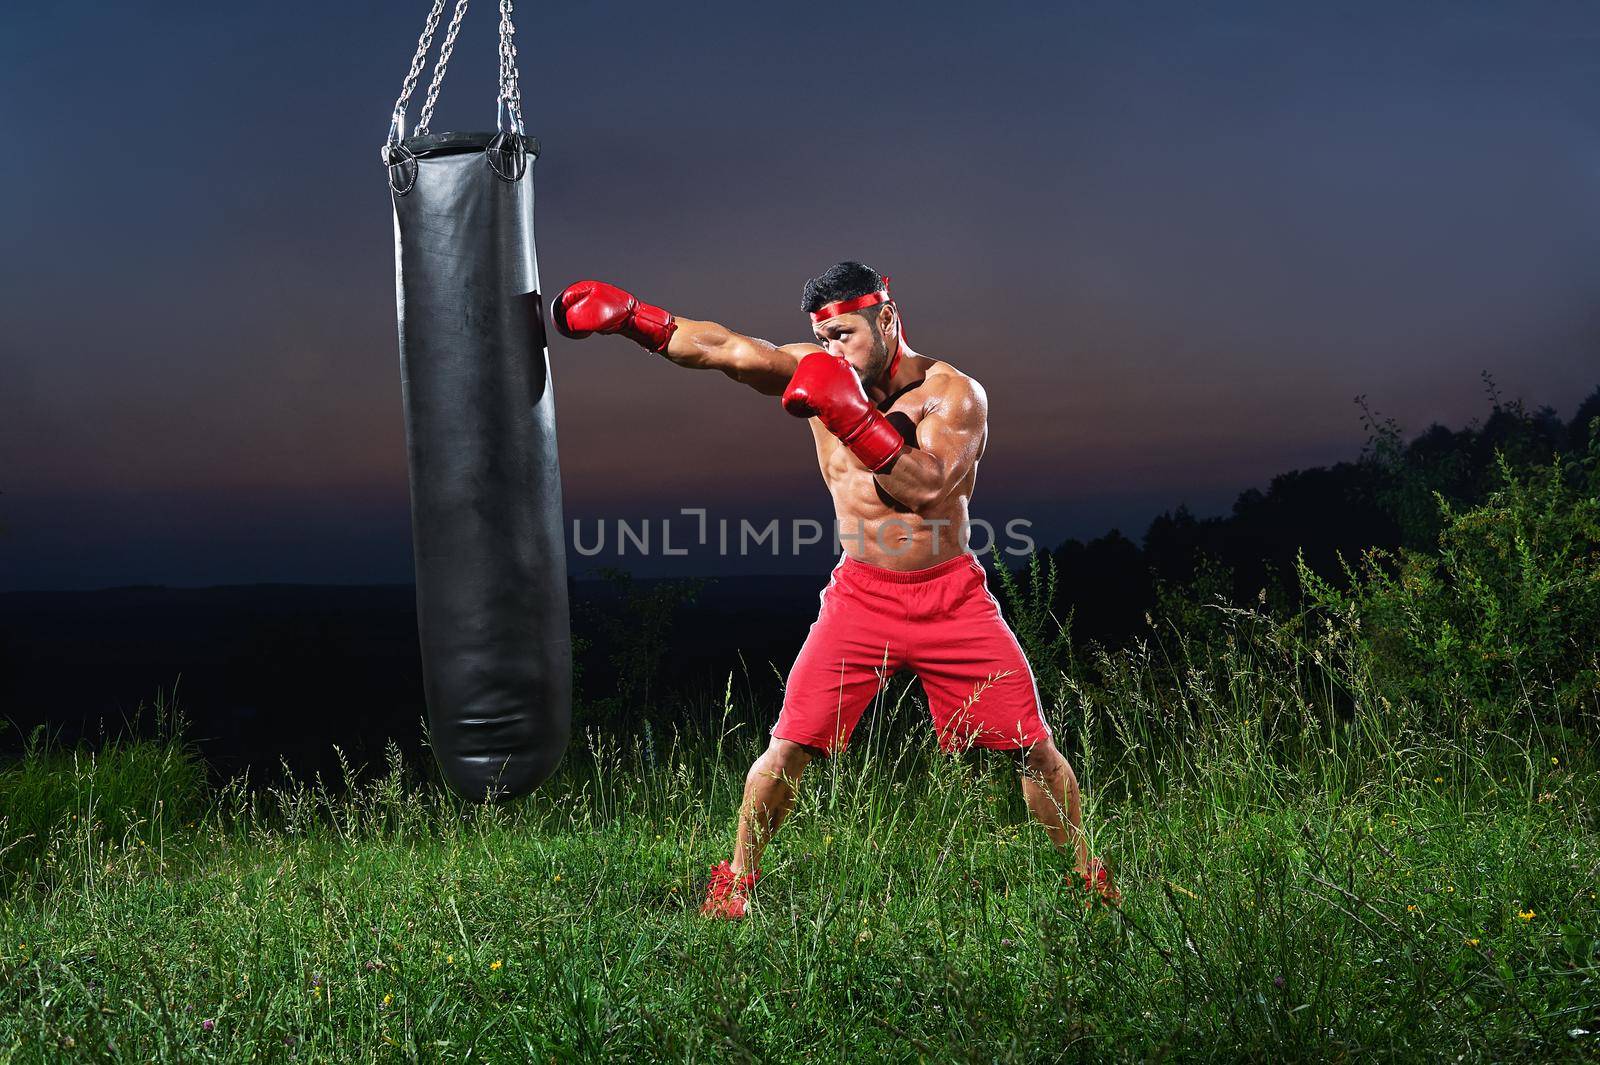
column 419, row 60
column 438, row 68
column 510, row 92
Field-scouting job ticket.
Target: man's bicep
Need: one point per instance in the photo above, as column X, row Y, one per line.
column 953, row 434
column 766, row 367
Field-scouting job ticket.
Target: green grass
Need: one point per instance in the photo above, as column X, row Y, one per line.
column 1298, row 886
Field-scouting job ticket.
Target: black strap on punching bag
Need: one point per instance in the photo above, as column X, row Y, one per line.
column 480, row 439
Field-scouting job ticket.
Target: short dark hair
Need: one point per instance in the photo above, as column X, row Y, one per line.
column 842, row 281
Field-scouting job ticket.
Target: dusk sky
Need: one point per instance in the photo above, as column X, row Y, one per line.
column 1173, row 241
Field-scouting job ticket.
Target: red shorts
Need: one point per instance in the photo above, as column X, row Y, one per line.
column 942, row 624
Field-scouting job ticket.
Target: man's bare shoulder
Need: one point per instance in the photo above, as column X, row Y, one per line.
column 952, row 388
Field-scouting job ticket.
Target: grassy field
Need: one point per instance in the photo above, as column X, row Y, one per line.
column 1301, row 882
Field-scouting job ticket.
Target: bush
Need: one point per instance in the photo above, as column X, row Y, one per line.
column 130, row 793
column 1504, row 617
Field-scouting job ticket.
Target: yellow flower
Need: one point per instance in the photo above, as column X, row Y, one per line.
column 494, row 966
column 1450, row 889
column 558, row 876
column 388, row 999
column 1554, row 760
column 1472, row 942
column 1438, row 780
column 1411, row 908
column 827, row 841
column 1526, row 915
column 449, row 959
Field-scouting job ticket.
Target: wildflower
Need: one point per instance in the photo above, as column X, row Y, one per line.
column 1450, row 889
column 388, row 1000
column 1554, row 760
column 449, row 959
column 558, row 876
column 1277, row 982
column 1438, row 780
column 1472, row 942
column 827, row 841
column 494, row 966
column 208, row 1024
column 1411, row 908
column 1527, row 915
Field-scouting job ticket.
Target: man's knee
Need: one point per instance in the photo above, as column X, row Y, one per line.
column 784, row 758
column 1041, row 759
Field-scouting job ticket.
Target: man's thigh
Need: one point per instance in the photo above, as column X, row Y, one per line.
column 981, row 690
column 834, row 678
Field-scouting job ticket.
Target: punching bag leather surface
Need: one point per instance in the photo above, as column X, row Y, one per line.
column 492, row 612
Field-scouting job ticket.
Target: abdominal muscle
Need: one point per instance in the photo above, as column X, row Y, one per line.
column 887, row 534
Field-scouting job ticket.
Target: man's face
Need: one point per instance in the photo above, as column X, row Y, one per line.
column 858, row 338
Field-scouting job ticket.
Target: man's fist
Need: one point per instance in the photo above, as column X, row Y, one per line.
column 596, row 307
column 826, row 387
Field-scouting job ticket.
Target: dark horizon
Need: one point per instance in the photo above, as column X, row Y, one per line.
column 1173, row 244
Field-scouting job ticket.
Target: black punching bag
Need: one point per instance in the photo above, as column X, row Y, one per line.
column 481, row 443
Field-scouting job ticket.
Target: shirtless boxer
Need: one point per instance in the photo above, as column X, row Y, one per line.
column 898, row 437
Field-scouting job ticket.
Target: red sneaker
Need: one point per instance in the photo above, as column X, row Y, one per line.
column 727, row 894
column 1097, row 882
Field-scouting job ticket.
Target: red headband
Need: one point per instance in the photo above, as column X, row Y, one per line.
column 857, row 303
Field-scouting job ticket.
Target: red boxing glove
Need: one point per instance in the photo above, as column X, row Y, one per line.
column 824, row 386
column 596, row 307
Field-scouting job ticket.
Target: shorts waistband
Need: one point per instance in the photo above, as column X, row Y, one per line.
column 906, row 576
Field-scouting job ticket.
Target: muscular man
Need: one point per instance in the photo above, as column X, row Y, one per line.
column 898, row 436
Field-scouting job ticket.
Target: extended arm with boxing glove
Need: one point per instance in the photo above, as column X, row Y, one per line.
column 589, row 307
column 825, row 387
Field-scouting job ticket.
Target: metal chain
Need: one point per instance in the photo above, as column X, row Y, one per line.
column 438, row 67
column 418, row 61
column 510, row 92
